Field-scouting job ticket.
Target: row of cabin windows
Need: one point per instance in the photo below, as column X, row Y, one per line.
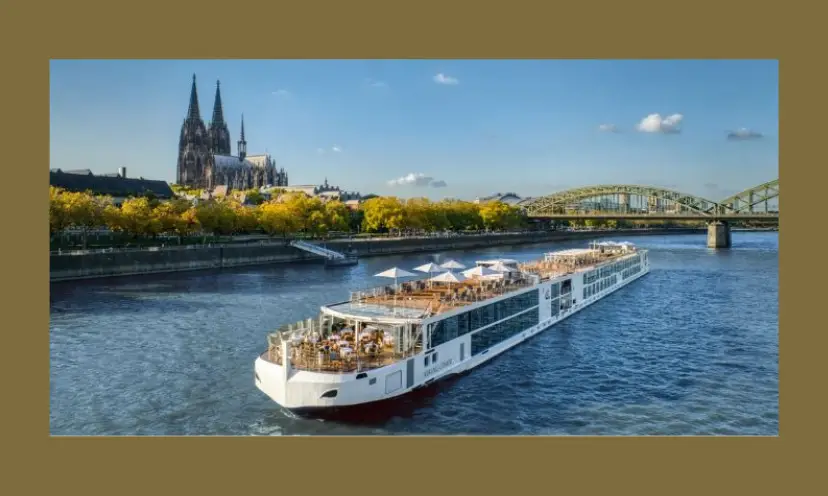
column 466, row 322
column 631, row 271
column 594, row 289
column 610, row 270
column 485, row 339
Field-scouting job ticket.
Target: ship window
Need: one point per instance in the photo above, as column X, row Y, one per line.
column 361, row 375
column 372, row 381
column 498, row 333
column 425, row 360
column 555, row 291
column 434, row 357
column 330, row 394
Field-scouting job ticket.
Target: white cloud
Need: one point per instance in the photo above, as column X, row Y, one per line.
column 283, row 93
column 744, row 134
column 608, row 128
column 443, row 79
column 420, row 180
column 375, row 84
column 654, row 123
column 336, row 149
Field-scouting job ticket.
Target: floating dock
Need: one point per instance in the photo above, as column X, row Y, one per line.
column 332, row 258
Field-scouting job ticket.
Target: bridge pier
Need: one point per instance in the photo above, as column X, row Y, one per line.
column 718, row 235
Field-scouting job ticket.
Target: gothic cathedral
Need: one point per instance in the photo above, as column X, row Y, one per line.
column 204, row 155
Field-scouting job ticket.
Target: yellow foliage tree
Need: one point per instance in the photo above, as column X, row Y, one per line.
column 383, row 213
column 337, row 215
column 499, row 215
column 189, row 224
column 245, row 219
column 138, row 217
column 85, row 211
column 276, row 217
column 216, row 217
column 59, row 218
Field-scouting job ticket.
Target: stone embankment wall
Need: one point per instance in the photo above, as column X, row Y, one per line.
column 152, row 261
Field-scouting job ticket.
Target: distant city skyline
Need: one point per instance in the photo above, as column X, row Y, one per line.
column 436, row 128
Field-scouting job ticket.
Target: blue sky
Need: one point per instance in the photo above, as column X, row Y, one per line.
column 478, row 126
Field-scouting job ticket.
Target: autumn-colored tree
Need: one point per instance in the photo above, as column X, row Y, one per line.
column 167, row 216
column 245, row 219
column 437, row 217
column 383, row 213
column 216, row 217
column 138, row 217
column 189, row 223
column 462, row 215
column 302, row 208
column 337, row 215
column 85, row 211
column 499, row 215
column 59, row 218
column 113, row 218
column 276, row 217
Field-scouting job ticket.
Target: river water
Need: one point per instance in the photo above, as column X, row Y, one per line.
column 690, row 349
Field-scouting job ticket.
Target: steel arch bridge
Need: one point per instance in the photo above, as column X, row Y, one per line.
column 617, row 201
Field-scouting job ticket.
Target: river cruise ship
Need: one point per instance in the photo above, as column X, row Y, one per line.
column 387, row 341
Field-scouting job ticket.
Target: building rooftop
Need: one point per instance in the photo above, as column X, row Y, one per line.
column 109, row 185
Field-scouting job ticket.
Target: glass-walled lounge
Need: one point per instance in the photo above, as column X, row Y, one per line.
column 458, row 325
column 334, row 344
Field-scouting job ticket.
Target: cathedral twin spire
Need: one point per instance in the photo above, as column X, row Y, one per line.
column 192, row 110
column 219, row 134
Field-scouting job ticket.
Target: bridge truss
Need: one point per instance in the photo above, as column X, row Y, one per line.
column 634, row 201
column 748, row 200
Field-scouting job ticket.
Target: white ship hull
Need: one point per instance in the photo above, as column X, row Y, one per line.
column 304, row 390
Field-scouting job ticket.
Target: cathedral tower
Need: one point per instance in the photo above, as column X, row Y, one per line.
column 219, row 134
column 242, row 143
column 193, row 146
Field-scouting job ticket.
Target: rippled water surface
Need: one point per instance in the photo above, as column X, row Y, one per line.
column 692, row 348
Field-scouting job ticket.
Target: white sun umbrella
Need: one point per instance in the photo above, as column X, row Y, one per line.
column 502, row 267
column 449, row 277
column 395, row 273
column 452, row 264
column 429, row 267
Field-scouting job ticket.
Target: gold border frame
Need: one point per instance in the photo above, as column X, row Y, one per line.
column 33, row 33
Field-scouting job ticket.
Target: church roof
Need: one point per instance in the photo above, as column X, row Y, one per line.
column 231, row 162
column 107, row 185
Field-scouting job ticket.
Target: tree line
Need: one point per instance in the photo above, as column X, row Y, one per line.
column 285, row 215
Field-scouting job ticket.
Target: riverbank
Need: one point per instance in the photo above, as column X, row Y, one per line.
column 113, row 263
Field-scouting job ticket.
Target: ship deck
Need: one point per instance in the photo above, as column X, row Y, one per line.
column 308, row 358
column 421, row 299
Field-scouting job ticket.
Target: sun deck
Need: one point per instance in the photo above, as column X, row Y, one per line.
column 422, row 299
column 560, row 263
